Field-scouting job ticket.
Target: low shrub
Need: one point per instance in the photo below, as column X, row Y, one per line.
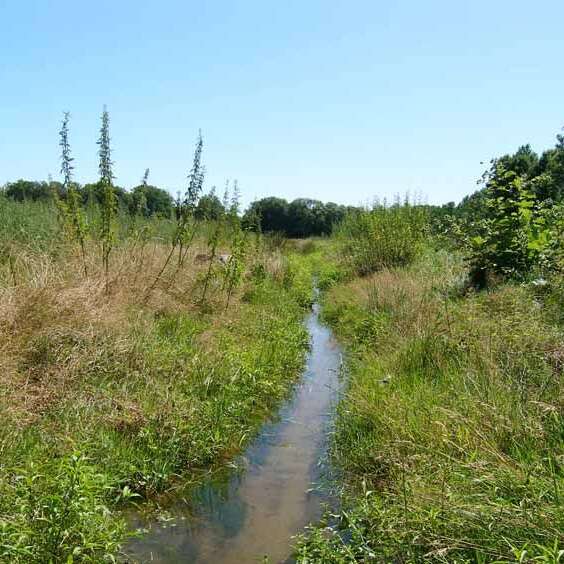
column 383, row 237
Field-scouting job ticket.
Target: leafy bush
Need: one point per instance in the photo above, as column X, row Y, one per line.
column 382, row 237
column 516, row 235
column 60, row 516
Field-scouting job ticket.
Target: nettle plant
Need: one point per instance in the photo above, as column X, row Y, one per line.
column 108, row 209
column 235, row 267
column 73, row 219
column 519, row 235
column 186, row 224
column 213, row 244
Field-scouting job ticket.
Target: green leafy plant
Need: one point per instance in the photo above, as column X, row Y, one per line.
column 185, row 230
column 383, row 237
column 109, row 199
column 60, row 516
column 235, row 264
column 71, row 210
column 517, row 237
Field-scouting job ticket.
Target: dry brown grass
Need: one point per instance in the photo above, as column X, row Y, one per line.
column 54, row 318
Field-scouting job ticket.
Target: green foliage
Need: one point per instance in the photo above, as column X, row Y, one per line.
column 382, row 237
column 29, row 223
column 31, row 190
column 209, row 207
column 186, row 228
column 518, row 235
column 167, row 394
column 300, row 218
column 149, row 200
column 186, row 225
column 109, row 200
column 235, row 266
column 57, row 513
column 73, row 216
column 213, row 242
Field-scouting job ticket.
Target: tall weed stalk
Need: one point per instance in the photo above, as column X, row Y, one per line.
column 73, row 218
column 109, row 199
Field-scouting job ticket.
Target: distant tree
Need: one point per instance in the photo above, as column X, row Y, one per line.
column 95, row 193
column 22, row 190
column 150, row 200
column 209, row 207
column 544, row 177
column 523, row 162
column 272, row 213
column 301, row 218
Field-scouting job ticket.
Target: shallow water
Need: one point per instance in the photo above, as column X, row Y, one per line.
column 248, row 515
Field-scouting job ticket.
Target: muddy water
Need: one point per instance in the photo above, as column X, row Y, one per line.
column 248, row 515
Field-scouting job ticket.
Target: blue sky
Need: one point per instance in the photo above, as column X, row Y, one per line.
column 335, row 100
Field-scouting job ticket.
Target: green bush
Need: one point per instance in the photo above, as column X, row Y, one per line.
column 519, row 236
column 57, row 514
column 382, row 237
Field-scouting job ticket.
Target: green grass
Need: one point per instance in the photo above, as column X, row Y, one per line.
column 106, row 399
column 451, row 431
column 173, row 395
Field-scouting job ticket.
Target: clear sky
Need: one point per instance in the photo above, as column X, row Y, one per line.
column 334, row 100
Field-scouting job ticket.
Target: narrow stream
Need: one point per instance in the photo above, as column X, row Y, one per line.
column 252, row 514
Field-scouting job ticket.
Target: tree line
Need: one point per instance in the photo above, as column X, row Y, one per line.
column 302, row 217
column 144, row 198
column 543, row 174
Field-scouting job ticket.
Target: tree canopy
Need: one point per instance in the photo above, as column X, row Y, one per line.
column 302, row 217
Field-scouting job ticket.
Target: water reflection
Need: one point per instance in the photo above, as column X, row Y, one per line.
column 244, row 516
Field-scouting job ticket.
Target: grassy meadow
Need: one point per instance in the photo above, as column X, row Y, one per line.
column 450, row 434
column 113, row 387
column 144, row 341
column 119, row 385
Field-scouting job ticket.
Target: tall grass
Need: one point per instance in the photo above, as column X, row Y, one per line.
column 451, row 432
column 116, row 384
column 105, row 397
